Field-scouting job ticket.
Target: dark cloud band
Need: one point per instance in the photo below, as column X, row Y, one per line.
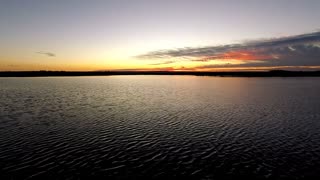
column 296, row 50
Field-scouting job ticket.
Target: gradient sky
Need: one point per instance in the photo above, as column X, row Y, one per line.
column 159, row 35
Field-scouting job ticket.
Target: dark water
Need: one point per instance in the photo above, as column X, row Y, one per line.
column 159, row 126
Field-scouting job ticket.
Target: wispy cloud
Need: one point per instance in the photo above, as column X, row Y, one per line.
column 13, row 65
column 148, row 69
column 299, row 50
column 162, row 63
column 49, row 54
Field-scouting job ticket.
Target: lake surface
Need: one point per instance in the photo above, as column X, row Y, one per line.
column 159, row 126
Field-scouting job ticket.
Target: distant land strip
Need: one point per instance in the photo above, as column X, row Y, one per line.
column 272, row 73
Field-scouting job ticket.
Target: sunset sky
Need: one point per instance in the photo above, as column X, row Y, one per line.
column 200, row 35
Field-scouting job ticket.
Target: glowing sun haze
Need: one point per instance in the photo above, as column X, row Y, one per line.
column 200, row 35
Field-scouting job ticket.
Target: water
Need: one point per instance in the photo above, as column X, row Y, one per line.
column 159, row 126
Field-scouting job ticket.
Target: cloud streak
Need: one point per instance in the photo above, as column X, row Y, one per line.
column 299, row 50
column 49, row 54
column 162, row 63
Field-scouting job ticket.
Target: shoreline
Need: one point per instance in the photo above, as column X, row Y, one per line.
column 273, row 73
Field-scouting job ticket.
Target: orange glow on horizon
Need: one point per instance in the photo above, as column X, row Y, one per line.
column 227, row 69
column 239, row 55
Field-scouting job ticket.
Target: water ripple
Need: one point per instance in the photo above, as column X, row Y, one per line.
column 159, row 127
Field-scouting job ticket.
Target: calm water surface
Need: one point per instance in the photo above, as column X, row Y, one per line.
column 159, row 126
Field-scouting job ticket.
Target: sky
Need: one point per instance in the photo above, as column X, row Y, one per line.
column 197, row 35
